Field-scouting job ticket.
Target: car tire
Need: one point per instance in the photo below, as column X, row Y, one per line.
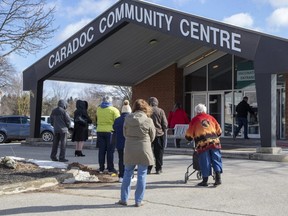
column 3, row 137
column 47, row 136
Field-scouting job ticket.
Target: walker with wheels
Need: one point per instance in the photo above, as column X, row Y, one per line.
column 195, row 166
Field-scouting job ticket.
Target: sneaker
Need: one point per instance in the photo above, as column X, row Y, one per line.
column 120, row 180
column 63, row 160
column 54, row 159
column 123, row 203
column 100, row 171
column 139, row 204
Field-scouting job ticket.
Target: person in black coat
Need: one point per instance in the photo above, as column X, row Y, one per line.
column 81, row 122
column 242, row 110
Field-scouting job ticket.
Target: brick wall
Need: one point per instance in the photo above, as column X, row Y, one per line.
column 166, row 86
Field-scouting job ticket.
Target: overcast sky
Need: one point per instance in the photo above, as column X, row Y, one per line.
column 268, row 16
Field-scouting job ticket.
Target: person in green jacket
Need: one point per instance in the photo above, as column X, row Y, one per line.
column 106, row 115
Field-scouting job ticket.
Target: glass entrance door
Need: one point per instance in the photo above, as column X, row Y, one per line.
column 215, row 107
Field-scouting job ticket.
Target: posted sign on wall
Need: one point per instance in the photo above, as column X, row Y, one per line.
column 245, row 75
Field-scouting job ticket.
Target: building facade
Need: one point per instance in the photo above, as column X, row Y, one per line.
column 174, row 56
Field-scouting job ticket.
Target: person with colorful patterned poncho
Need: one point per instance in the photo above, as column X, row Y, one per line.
column 205, row 131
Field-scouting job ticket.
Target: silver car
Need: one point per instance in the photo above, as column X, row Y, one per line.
column 17, row 127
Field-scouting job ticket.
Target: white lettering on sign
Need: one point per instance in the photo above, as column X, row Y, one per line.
column 156, row 19
column 139, row 14
column 245, row 75
column 210, row 34
column 71, row 47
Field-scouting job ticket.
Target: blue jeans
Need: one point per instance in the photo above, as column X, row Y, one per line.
column 141, row 182
column 211, row 157
column 106, row 145
column 241, row 121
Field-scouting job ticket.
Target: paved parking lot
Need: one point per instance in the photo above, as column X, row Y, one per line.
column 250, row 187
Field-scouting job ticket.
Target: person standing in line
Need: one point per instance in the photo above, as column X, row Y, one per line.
column 81, row 121
column 242, row 110
column 205, row 131
column 139, row 132
column 177, row 116
column 161, row 124
column 106, row 115
column 120, row 139
column 60, row 120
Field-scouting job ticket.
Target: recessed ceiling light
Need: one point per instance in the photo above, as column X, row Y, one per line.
column 117, row 65
column 215, row 66
column 153, row 41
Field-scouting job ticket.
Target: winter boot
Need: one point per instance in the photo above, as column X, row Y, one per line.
column 204, row 182
column 217, row 179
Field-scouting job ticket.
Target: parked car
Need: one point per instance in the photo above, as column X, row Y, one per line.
column 71, row 127
column 17, row 127
column 46, row 119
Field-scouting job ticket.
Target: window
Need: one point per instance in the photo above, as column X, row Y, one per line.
column 25, row 120
column 220, row 73
column 3, row 120
column 196, row 81
column 13, row 120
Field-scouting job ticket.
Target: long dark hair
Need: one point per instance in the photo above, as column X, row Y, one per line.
column 177, row 106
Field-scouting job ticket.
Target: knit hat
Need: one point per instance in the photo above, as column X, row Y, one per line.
column 126, row 107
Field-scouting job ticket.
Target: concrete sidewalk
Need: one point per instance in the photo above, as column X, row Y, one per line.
column 238, row 149
column 232, row 149
column 250, row 187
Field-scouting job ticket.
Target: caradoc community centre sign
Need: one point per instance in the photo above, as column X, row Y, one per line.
column 153, row 18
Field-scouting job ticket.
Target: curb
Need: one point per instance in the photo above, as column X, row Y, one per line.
column 27, row 186
column 33, row 184
column 247, row 154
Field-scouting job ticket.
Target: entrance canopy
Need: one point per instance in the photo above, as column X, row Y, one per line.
column 134, row 40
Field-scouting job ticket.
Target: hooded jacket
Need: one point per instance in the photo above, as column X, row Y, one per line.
column 60, row 119
column 139, row 132
column 158, row 117
column 80, row 132
column 106, row 115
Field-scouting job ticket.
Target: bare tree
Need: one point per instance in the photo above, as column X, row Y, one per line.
column 7, row 73
column 15, row 101
column 25, row 25
column 124, row 92
column 22, row 98
column 60, row 91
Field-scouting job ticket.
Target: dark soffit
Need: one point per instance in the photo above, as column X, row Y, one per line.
column 130, row 47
